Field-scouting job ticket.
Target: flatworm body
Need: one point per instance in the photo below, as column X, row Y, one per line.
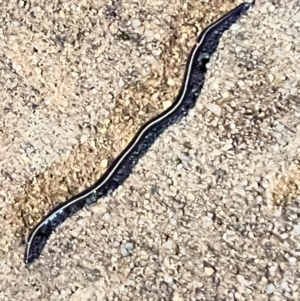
column 120, row 169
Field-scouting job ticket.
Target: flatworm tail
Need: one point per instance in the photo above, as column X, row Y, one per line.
column 120, row 169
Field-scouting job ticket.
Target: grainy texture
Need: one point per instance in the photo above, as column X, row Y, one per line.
column 210, row 212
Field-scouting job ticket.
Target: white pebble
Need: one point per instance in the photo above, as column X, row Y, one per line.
column 271, row 8
column 104, row 163
column 167, row 104
column 168, row 279
column 270, row 289
column 171, row 82
column 209, row 271
column 214, row 108
column 292, row 260
column 169, row 244
column 235, row 26
column 135, row 23
column 127, row 248
column 16, row 23
column 279, row 127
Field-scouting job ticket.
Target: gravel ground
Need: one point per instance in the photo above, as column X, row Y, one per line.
column 211, row 212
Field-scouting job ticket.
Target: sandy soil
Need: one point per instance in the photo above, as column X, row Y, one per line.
column 211, row 212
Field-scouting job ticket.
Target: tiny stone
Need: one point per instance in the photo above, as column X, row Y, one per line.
column 285, row 286
column 271, row 77
column 207, row 221
column 173, row 222
column 99, row 208
column 209, row 271
column 144, row 255
column 177, row 297
column 171, row 82
column 167, row 104
column 169, row 244
column 215, row 109
column 148, row 33
column 236, row 26
column 104, row 163
column 225, row 94
column 127, row 249
column 124, row 252
column 241, row 280
column 297, row 229
column 292, row 260
column 83, row 139
column 270, row 289
column 116, row 244
column 73, row 141
column 168, row 279
column 273, row 269
column 241, row 83
column 277, row 213
column 129, row 246
column 106, row 216
column 47, row 102
column 190, row 196
column 135, row 23
column 16, row 23
column 279, row 127
column 89, row 109
column 271, row 8
column 240, row 191
column 259, row 199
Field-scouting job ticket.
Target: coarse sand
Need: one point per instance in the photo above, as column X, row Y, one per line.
column 211, row 212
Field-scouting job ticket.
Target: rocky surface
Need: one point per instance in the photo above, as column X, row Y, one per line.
column 210, row 212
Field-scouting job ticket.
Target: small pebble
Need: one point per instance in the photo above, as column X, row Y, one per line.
column 104, row 163
column 167, row 104
column 214, row 108
column 270, row 289
column 127, row 249
column 209, row 271
column 135, row 23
